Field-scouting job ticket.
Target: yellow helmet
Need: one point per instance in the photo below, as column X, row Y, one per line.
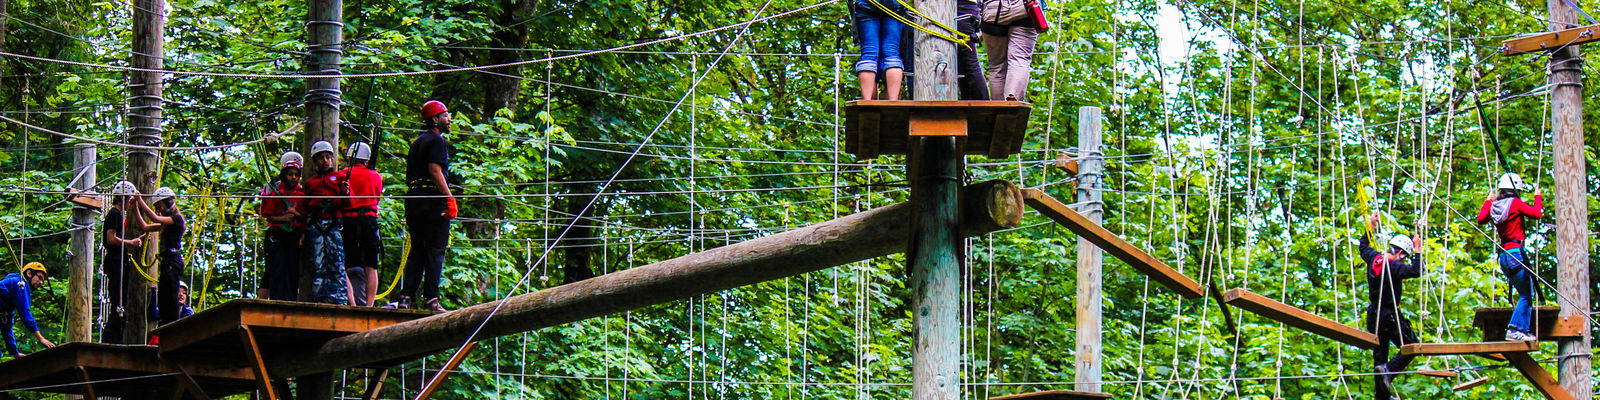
column 35, row 266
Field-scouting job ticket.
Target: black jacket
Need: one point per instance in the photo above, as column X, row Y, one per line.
column 1384, row 289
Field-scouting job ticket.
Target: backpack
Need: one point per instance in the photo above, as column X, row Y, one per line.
column 1004, row 12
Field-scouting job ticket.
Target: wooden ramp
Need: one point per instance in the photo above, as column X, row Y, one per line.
column 1548, row 323
column 1446, row 349
column 1113, row 245
column 1295, row 317
column 127, row 371
column 990, row 128
column 1055, row 395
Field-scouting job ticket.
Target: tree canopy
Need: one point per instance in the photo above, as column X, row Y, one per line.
column 1237, row 139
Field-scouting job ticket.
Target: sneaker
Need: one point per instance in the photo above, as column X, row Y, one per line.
column 403, row 304
column 1519, row 336
column 433, row 305
column 1384, row 379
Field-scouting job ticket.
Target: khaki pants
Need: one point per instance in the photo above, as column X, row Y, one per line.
column 1010, row 61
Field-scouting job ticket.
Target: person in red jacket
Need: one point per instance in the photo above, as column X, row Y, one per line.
column 1506, row 209
column 286, row 228
column 362, row 244
column 327, row 195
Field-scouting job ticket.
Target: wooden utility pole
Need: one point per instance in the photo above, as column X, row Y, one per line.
column 1089, row 257
column 80, row 271
column 1571, row 201
column 325, row 31
column 144, row 119
column 936, row 248
column 985, row 207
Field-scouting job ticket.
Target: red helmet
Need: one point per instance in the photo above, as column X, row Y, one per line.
column 432, row 108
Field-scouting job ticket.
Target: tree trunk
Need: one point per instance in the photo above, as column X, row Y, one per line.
column 502, row 86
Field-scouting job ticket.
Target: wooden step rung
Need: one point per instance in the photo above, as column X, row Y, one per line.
column 1055, row 395
column 1301, row 319
column 1111, row 244
column 1471, row 384
column 1438, row 373
column 1442, row 349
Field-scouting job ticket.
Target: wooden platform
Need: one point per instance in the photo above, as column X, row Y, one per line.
column 1548, row 324
column 990, row 128
column 1444, row 349
column 218, row 334
column 128, row 371
column 1113, row 245
column 1301, row 319
column 1055, row 395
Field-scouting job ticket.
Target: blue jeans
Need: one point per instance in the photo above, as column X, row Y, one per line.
column 327, row 261
column 1514, row 264
column 879, row 36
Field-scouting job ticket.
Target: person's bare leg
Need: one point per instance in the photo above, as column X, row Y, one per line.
column 892, row 78
column 869, row 84
column 372, row 286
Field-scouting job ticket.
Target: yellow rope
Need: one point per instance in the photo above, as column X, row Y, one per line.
column 404, row 256
column 960, row 38
column 139, row 265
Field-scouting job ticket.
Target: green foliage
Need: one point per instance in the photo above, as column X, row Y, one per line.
column 1238, row 161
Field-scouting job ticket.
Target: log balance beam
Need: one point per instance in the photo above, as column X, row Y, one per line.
column 1113, row 245
column 985, row 208
column 1295, row 317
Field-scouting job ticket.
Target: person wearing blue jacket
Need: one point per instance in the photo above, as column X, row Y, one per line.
column 1386, row 274
column 16, row 292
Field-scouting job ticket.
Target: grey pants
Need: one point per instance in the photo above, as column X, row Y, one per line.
column 1010, row 61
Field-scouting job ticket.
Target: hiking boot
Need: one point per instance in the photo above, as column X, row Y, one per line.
column 403, row 304
column 433, row 305
column 1519, row 336
column 1384, row 379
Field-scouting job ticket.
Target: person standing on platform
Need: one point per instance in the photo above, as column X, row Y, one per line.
column 878, row 34
column 969, row 14
column 429, row 208
column 1386, row 275
column 16, row 300
column 362, row 242
column 286, row 226
column 1506, row 210
column 1009, row 35
column 172, row 226
column 120, row 234
column 327, row 196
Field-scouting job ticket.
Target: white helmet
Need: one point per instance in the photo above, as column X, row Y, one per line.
column 291, row 159
column 321, row 146
column 359, row 151
column 124, row 188
column 1509, row 181
column 1404, row 243
column 163, row 193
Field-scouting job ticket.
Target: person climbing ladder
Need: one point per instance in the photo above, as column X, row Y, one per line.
column 1386, row 275
column 1505, row 209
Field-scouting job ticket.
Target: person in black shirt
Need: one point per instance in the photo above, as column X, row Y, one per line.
column 1386, row 275
column 166, row 214
column 120, row 235
column 429, row 208
column 972, row 84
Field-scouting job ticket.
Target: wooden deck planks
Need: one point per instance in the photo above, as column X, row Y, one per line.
column 1113, row 245
column 1548, row 324
column 1301, row 319
column 1443, row 349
